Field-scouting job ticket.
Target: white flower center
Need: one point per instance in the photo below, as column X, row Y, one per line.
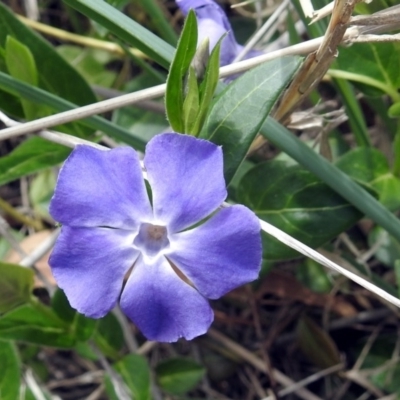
column 151, row 239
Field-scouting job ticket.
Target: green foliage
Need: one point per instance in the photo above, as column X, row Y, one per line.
column 370, row 166
column 16, row 285
column 300, row 192
column 313, row 276
column 380, row 67
column 9, row 371
column 21, row 65
column 253, row 94
column 33, row 155
column 388, row 248
column 125, row 28
column 331, row 175
column 109, row 336
column 41, row 191
column 35, row 323
column 294, row 200
column 49, row 64
column 135, row 372
column 90, row 63
column 32, row 93
column 174, row 95
column 179, row 375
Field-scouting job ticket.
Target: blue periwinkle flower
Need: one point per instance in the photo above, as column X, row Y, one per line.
column 213, row 23
column 178, row 260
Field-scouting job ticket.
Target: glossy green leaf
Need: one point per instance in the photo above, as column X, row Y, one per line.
column 316, row 344
column 125, row 28
column 179, row 375
column 21, row 65
column 135, row 371
column 252, row 95
column 295, row 201
column 16, row 284
column 370, row 166
column 9, row 371
column 331, row 175
column 380, row 66
column 35, row 323
column 33, row 155
column 50, row 66
column 174, row 95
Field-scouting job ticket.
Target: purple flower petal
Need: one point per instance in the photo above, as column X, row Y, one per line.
column 186, row 178
column 162, row 306
column 101, row 188
column 213, row 23
column 221, row 254
column 89, row 264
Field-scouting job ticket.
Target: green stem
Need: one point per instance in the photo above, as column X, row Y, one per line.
column 353, row 110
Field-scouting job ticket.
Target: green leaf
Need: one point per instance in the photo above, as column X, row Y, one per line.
column 32, row 93
column 314, row 276
column 41, row 191
column 253, row 94
column 55, row 74
column 21, row 65
column 179, row 375
column 33, row 155
column 91, row 63
column 125, row 28
column 190, row 107
column 208, row 86
column 183, row 57
column 370, row 166
column 295, row 201
column 109, row 336
column 61, row 307
column 380, row 66
column 331, row 175
column 394, row 110
column 160, row 22
column 35, row 323
column 79, row 325
column 9, row 371
column 16, row 284
column 135, row 371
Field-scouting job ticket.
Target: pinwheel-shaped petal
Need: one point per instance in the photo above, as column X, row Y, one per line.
column 175, row 262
